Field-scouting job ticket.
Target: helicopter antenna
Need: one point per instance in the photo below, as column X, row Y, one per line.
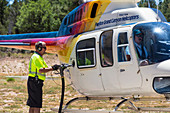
column 80, row 1
column 149, row 6
column 84, row 1
column 157, row 4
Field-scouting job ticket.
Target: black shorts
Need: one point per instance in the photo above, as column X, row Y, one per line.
column 34, row 92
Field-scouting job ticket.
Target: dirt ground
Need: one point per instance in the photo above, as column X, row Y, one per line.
column 13, row 93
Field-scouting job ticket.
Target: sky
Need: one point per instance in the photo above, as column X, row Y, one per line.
column 12, row 1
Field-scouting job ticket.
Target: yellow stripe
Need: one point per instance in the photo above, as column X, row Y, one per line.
column 103, row 4
column 68, row 50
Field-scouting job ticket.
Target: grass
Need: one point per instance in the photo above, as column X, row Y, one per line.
column 10, row 80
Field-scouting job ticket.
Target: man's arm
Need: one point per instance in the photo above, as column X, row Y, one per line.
column 128, row 54
column 45, row 70
column 52, row 68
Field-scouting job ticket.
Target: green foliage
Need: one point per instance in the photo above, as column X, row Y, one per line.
column 37, row 17
column 144, row 3
column 13, row 13
column 165, row 8
column 62, row 7
column 8, row 14
column 3, row 16
column 3, row 30
column 43, row 15
column 3, row 6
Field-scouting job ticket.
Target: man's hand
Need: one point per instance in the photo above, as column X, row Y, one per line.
column 144, row 62
column 55, row 67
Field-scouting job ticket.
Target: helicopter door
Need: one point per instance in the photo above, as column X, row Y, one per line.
column 128, row 70
column 88, row 73
column 107, row 67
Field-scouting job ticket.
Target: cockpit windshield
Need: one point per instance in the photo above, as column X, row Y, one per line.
column 152, row 42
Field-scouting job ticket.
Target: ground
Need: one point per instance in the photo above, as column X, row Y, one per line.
column 13, row 92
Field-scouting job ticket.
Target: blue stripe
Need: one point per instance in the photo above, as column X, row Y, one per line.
column 29, row 35
column 14, row 44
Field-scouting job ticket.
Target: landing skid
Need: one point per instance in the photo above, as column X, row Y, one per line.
column 153, row 109
column 133, row 107
column 83, row 111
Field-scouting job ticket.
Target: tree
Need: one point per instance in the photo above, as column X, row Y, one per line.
column 13, row 13
column 165, row 8
column 146, row 3
column 37, row 17
column 3, row 6
column 4, row 13
column 160, row 4
column 62, row 7
column 3, row 30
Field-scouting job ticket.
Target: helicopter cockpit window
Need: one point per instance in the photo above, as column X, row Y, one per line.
column 123, row 48
column 86, row 53
column 106, row 52
column 152, row 42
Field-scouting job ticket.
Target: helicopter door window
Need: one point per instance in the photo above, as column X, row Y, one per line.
column 123, row 48
column 86, row 53
column 106, row 52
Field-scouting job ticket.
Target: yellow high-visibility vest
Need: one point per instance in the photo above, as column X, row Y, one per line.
column 87, row 62
column 36, row 63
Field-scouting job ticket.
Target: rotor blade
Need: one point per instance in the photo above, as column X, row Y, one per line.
column 14, row 44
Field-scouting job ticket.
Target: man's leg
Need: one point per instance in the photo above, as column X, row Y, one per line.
column 36, row 110
column 31, row 110
column 34, row 96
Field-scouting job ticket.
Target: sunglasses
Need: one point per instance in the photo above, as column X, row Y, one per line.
column 139, row 35
column 44, row 48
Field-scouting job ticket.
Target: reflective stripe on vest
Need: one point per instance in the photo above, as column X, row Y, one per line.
column 36, row 63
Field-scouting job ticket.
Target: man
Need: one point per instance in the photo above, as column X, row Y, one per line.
column 36, row 77
column 140, row 49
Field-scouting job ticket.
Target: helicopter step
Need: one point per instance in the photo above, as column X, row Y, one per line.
column 84, row 111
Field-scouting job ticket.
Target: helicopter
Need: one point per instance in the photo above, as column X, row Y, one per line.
column 98, row 39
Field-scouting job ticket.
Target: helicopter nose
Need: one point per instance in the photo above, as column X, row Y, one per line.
column 164, row 65
column 162, row 84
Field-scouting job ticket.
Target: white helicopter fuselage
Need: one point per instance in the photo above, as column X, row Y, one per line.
column 121, row 77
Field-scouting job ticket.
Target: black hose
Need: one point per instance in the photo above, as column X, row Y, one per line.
column 63, row 89
column 62, row 67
